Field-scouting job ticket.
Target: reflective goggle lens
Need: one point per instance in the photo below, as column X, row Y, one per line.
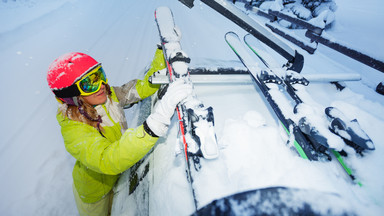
column 92, row 82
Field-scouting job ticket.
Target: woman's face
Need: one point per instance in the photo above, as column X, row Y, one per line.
column 97, row 98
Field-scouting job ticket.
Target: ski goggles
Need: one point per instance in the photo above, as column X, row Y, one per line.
column 91, row 82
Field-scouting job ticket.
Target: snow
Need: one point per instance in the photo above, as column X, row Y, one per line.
column 300, row 11
column 36, row 169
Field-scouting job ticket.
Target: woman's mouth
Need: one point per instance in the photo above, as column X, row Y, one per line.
column 101, row 93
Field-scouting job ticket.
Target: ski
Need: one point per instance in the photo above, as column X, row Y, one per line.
column 300, row 142
column 196, row 122
column 347, row 130
column 316, row 138
column 295, row 59
column 310, row 47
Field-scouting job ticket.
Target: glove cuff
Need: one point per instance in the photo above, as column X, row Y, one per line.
column 148, row 130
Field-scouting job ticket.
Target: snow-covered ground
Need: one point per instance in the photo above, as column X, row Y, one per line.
column 36, row 169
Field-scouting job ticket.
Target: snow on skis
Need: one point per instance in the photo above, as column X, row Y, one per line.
column 196, row 122
column 336, row 123
column 319, row 133
column 301, row 144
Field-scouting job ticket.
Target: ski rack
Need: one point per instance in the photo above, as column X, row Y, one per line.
column 205, row 75
column 295, row 59
column 354, row 54
column 273, row 15
column 314, row 34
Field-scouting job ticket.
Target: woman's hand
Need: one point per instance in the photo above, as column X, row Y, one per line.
column 160, row 118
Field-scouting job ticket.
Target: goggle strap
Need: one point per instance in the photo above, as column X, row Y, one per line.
column 70, row 91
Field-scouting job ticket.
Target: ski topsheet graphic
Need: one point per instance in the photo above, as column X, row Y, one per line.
column 196, row 122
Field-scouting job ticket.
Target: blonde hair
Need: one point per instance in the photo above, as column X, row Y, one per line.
column 85, row 112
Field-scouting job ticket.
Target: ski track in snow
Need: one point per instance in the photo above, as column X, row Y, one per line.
column 36, row 168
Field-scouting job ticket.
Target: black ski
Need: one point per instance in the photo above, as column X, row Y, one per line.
column 301, row 143
column 314, row 140
column 339, row 124
column 295, row 59
column 348, row 130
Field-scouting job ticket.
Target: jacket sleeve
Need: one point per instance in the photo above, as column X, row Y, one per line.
column 137, row 90
column 88, row 146
column 127, row 93
column 144, row 87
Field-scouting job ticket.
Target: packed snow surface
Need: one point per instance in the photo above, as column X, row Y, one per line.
column 36, row 169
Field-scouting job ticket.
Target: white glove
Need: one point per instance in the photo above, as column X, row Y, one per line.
column 160, row 118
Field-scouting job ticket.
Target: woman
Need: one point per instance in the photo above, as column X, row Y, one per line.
column 94, row 127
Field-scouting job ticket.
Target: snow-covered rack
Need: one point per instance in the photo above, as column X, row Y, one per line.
column 201, row 75
column 314, row 33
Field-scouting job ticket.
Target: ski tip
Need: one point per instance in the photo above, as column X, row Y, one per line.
column 231, row 34
column 162, row 10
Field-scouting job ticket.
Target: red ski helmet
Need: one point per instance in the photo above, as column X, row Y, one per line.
column 66, row 70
